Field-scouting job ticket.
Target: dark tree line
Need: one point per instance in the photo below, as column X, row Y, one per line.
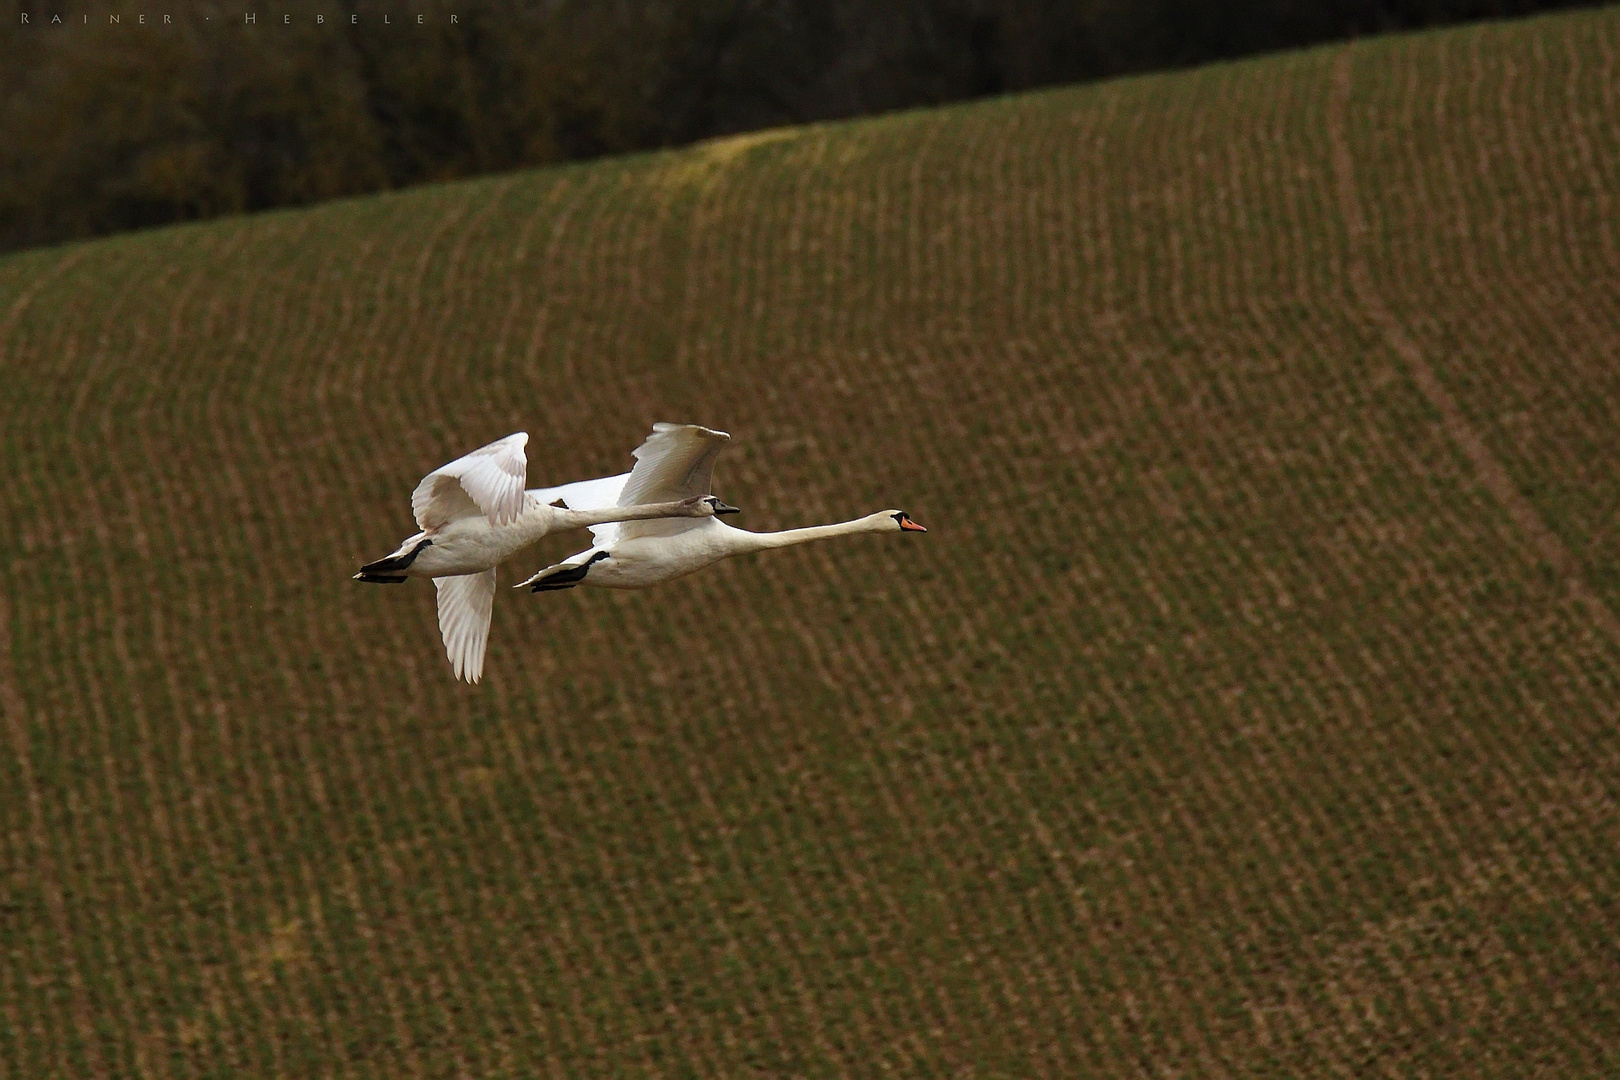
column 106, row 127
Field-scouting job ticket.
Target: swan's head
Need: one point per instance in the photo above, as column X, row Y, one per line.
column 717, row 508
column 903, row 522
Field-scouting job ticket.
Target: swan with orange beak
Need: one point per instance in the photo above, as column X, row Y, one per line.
column 677, row 462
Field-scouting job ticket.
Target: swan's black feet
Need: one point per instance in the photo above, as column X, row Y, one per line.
column 394, row 564
column 567, row 579
column 380, row 579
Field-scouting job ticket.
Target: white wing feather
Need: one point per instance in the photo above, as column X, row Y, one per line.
column 585, row 494
column 465, row 604
column 676, row 462
column 598, row 494
column 488, row 481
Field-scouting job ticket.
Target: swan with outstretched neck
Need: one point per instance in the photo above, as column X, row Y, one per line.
column 474, row 514
column 677, row 462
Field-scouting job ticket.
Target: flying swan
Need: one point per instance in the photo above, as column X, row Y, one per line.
column 474, row 514
column 675, row 463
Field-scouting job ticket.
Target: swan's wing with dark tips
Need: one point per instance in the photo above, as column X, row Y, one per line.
column 676, row 462
column 488, row 481
column 465, row 604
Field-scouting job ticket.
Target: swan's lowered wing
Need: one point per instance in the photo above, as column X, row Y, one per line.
column 675, row 463
column 465, row 604
column 488, row 481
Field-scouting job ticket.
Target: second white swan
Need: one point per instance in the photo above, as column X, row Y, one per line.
column 675, row 463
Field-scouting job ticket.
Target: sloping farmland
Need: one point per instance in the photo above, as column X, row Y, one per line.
column 1249, row 709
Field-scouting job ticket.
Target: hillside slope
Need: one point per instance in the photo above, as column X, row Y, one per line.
column 1250, row 708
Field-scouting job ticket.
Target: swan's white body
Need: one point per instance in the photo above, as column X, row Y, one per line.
column 471, row 545
column 676, row 462
column 475, row 514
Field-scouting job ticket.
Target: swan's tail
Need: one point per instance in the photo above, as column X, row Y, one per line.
column 564, row 575
column 391, row 571
column 380, row 579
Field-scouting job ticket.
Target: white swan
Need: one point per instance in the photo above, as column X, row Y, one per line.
column 676, row 463
column 474, row 514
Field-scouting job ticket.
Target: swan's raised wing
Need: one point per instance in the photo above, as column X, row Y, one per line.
column 675, row 463
column 488, row 481
column 465, row 604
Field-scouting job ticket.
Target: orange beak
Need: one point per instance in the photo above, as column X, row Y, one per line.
column 911, row 526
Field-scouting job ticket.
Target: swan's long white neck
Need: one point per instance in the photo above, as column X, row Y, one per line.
column 543, row 518
column 753, row 541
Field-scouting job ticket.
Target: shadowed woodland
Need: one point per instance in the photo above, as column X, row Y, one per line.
column 107, row 128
